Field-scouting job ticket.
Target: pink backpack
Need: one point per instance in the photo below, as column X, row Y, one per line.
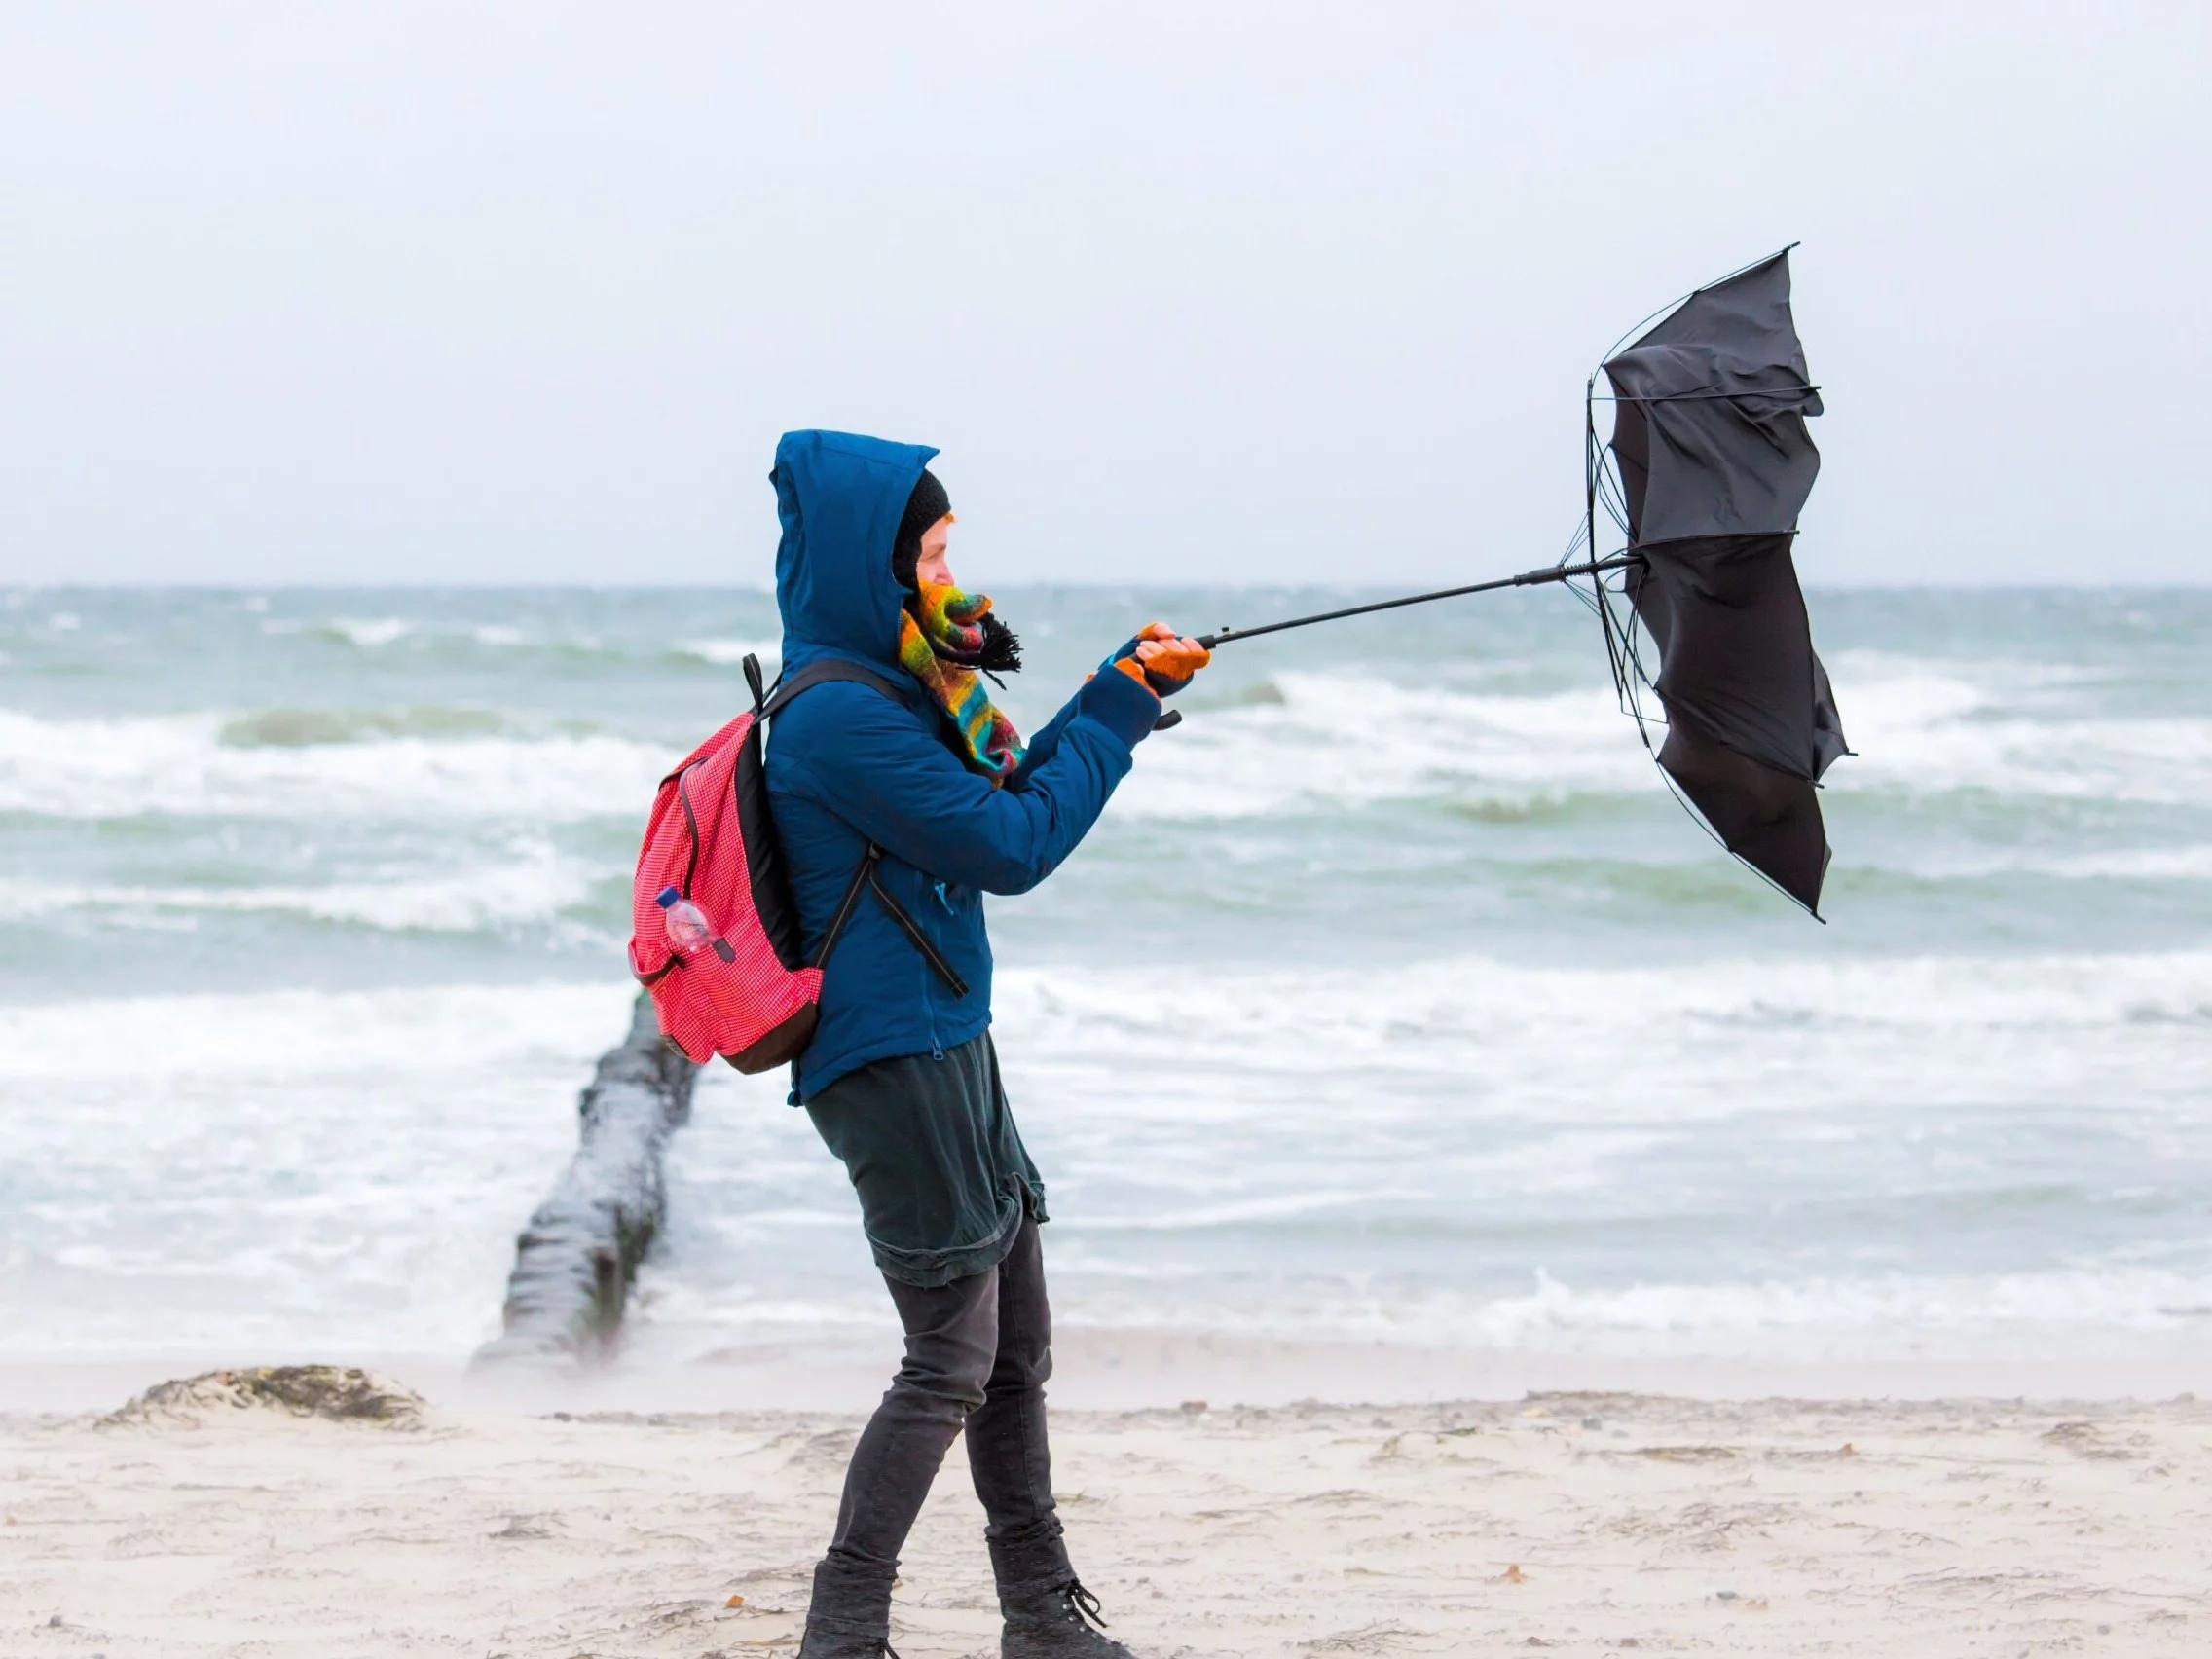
column 751, row 998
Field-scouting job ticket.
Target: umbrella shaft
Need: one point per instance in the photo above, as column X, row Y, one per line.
column 1527, row 579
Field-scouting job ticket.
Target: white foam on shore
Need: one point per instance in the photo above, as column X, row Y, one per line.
column 284, row 1035
column 294, row 1171
column 1401, row 1014
column 1772, row 1319
column 310, row 1168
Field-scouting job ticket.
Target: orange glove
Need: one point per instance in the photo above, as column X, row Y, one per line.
column 1163, row 662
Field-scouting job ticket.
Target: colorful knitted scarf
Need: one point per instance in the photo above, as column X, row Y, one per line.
column 946, row 638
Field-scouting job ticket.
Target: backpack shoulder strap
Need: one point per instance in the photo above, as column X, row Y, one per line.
column 865, row 874
column 814, row 674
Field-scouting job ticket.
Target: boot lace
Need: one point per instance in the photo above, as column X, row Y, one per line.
column 1081, row 1604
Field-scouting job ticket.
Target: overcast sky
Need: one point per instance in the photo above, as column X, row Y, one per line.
column 524, row 292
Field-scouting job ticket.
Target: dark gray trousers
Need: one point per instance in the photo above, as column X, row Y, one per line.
column 979, row 1351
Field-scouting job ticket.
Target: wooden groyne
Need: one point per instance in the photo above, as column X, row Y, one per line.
column 576, row 1259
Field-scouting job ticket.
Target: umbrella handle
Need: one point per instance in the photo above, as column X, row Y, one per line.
column 1527, row 579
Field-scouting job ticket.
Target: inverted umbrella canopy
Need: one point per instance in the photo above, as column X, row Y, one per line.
column 1716, row 464
column 1713, row 466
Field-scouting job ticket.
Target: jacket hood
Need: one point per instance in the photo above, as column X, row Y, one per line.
column 840, row 496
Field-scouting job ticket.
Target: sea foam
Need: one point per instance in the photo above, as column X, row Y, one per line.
column 182, row 765
column 528, row 883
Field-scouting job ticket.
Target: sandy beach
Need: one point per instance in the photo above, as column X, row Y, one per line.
column 1582, row 1523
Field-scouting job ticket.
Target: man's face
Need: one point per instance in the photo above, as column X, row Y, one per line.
column 931, row 570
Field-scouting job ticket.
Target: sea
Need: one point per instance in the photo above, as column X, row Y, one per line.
column 1394, row 998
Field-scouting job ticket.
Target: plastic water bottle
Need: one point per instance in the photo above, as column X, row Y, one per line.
column 688, row 931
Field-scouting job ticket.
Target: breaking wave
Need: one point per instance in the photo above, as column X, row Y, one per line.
column 1295, row 743
column 298, row 765
column 1305, row 740
column 531, row 884
column 305, row 729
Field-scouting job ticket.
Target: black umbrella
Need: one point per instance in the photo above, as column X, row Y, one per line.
column 1714, row 465
column 1711, row 464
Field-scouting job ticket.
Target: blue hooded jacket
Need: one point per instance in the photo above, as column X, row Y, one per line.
column 848, row 765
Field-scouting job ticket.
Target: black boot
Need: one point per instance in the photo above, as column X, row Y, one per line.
column 1049, row 1614
column 850, row 1614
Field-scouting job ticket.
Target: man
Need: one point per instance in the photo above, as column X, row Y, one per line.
column 900, row 1078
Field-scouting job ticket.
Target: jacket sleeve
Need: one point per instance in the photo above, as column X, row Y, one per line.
column 884, row 773
column 1046, row 739
column 1044, row 743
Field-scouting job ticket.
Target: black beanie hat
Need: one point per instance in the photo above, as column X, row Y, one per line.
column 924, row 508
